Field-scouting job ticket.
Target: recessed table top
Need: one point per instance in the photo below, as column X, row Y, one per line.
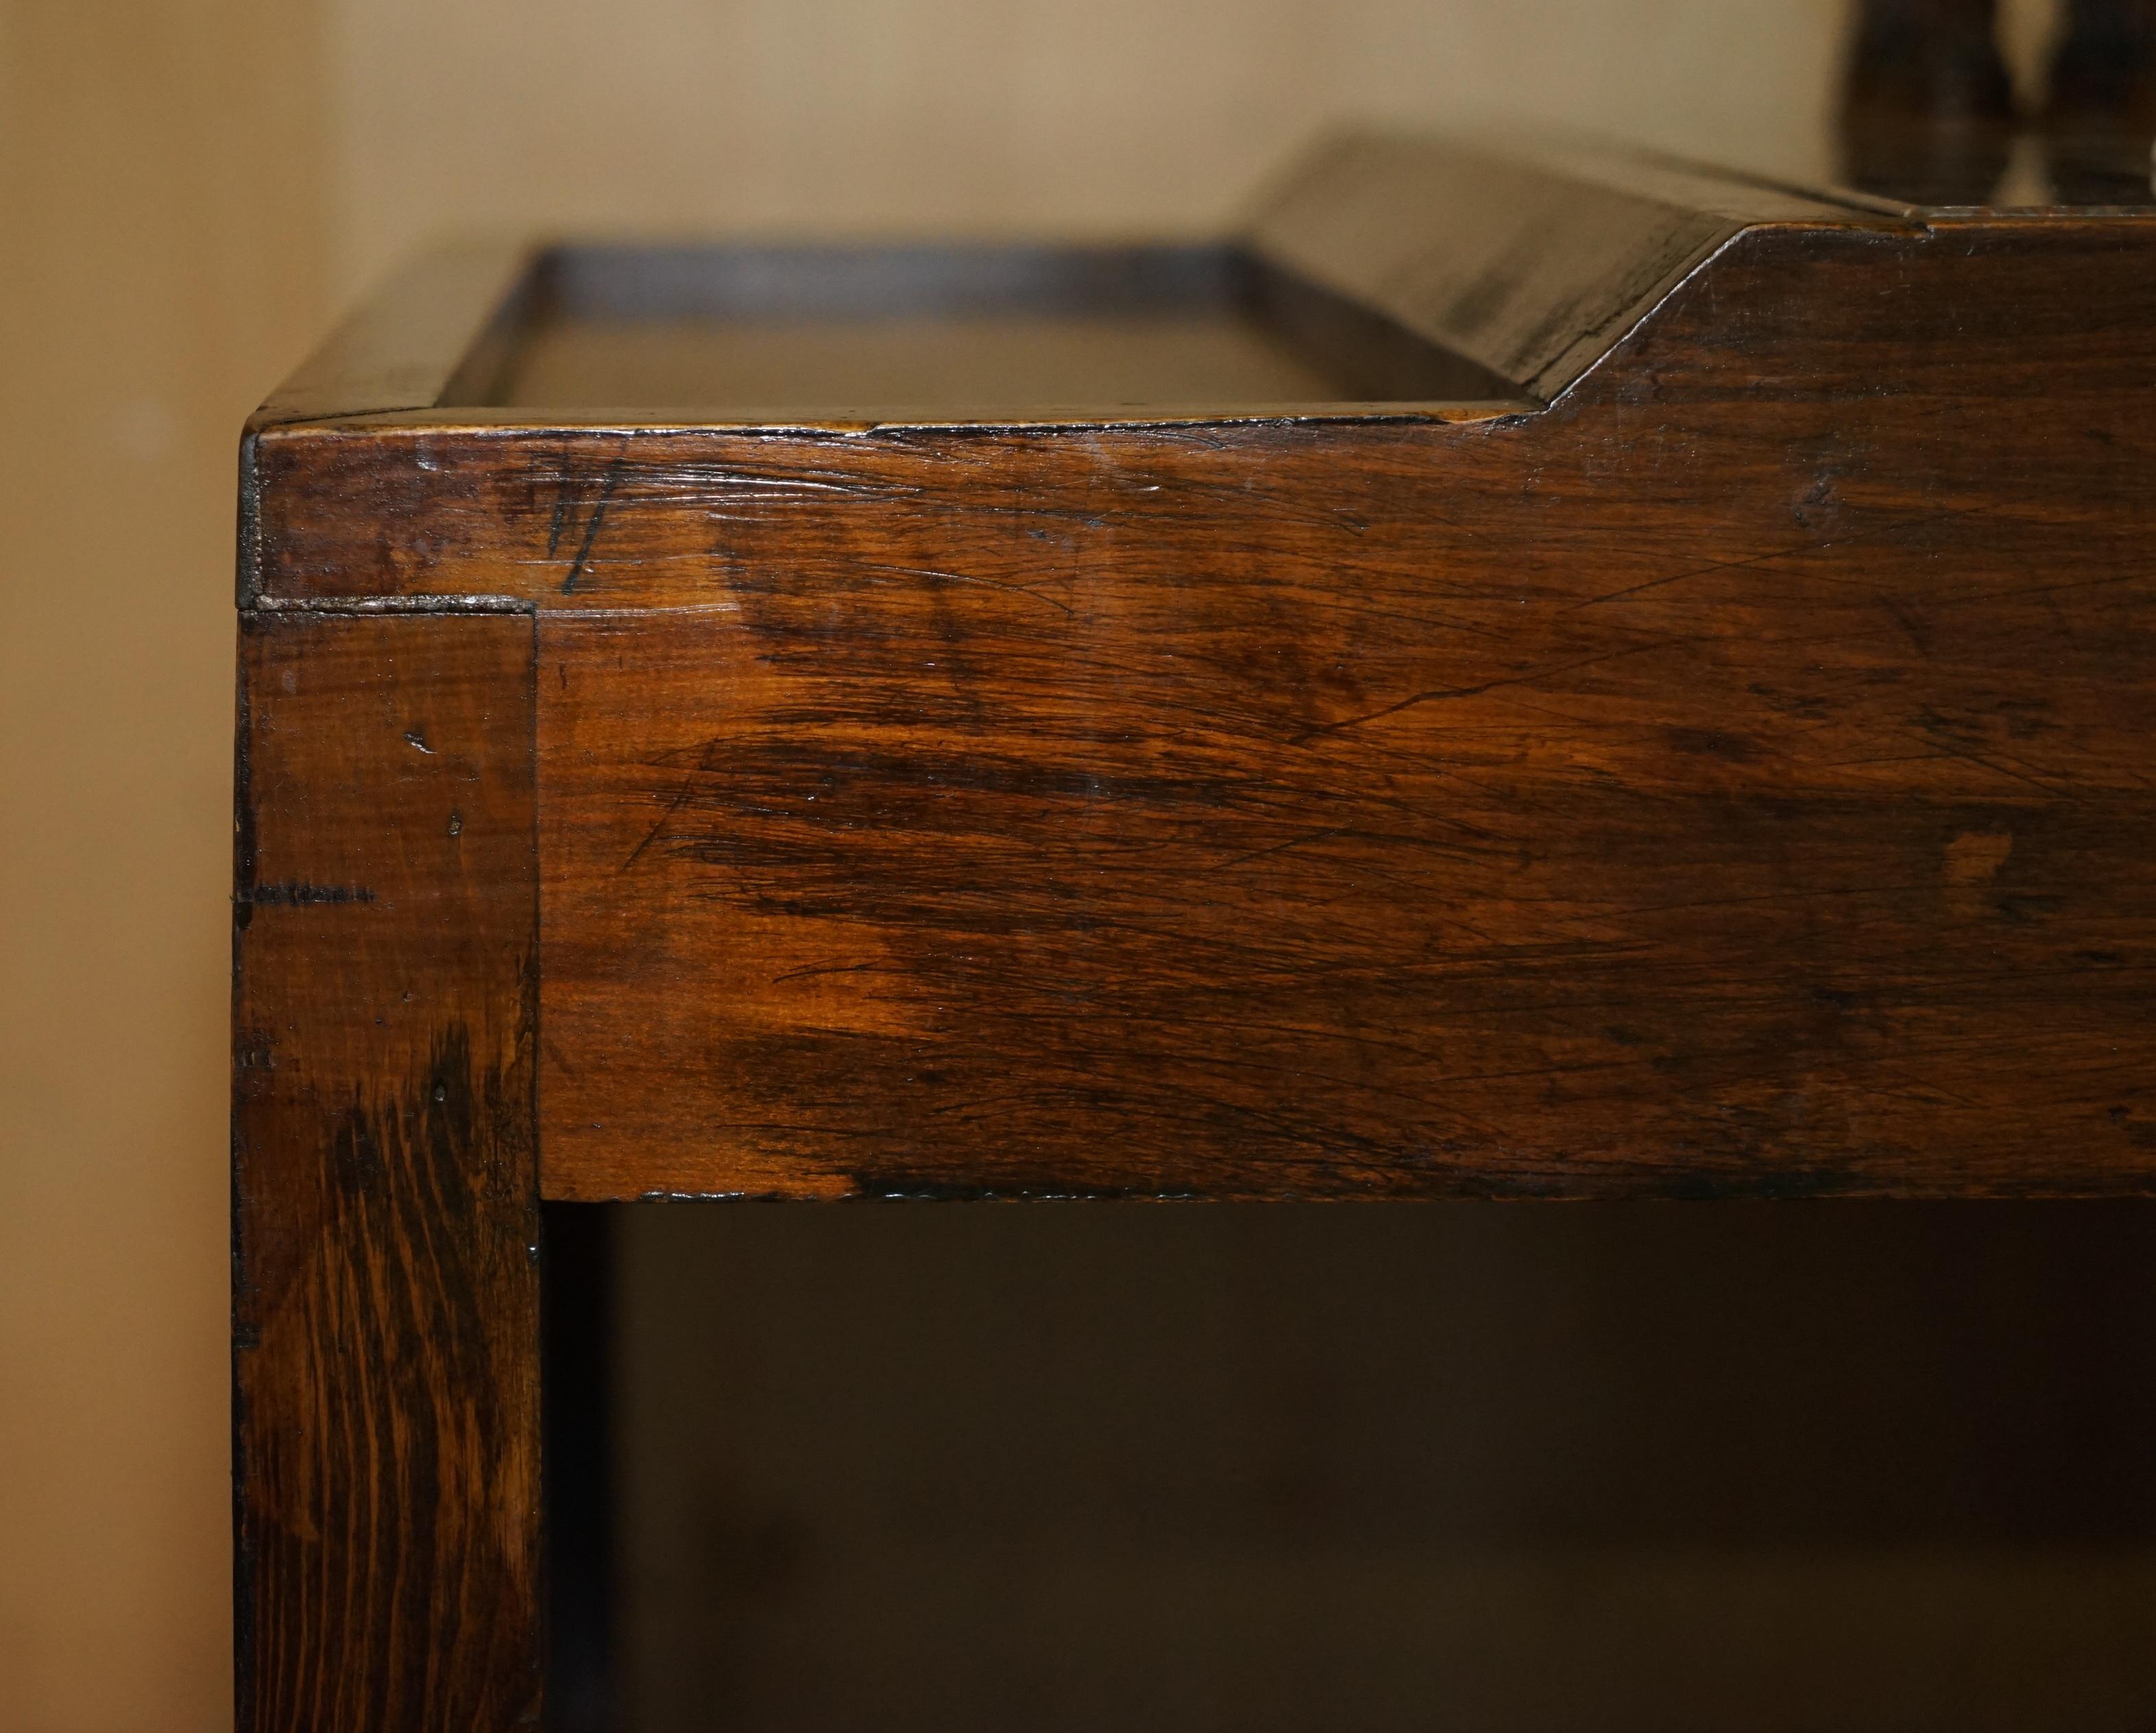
column 1519, row 671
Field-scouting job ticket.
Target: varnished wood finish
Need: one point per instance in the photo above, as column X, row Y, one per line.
column 938, row 366
column 432, row 336
column 1728, row 780
column 1530, row 263
column 385, row 1287
column 762, row 335
column 1683, row 733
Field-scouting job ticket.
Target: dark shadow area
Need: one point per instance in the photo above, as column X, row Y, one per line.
column 576, row 1361
column 901, row 1466
column 946, row 333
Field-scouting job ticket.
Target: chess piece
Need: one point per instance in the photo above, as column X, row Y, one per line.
column 2100, row 114
column 2103, row 75
column 1928, row 108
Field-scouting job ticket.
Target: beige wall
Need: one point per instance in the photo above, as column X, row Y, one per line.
column 995, row 113
column 1009, row 115
column 188, row 187
column 160, row 177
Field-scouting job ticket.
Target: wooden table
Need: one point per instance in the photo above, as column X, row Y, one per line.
column 1524, row 674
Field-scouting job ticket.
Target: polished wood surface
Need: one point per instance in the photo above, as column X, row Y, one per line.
column 430, row 336
column 1724, row 779
column 995, row 367
column 385, row 1288
column 1531, row 261
column 1675, row 727
column 1690, row 789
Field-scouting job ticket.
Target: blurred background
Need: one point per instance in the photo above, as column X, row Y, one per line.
column 192, row 189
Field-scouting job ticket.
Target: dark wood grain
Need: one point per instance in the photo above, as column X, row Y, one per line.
column 1705, row 787
column 1709, row 758
column 385, row 1287
column 1529, row 263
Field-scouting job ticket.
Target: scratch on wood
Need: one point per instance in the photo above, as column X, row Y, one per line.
column 296, row 894
column 592, row 527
